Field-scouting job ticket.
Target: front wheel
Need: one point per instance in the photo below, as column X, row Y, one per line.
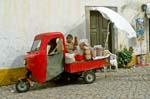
column 22, row 85
column 89, row 77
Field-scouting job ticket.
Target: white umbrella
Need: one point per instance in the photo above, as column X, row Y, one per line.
column 120, row 22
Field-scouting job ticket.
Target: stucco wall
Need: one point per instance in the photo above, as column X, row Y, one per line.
column 21, row 20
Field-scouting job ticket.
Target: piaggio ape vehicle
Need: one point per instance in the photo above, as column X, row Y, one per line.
column 46, row 61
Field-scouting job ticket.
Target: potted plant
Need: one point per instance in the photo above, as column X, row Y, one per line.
column 124, row 57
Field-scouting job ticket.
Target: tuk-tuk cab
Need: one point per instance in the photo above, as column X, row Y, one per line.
column 46, row 58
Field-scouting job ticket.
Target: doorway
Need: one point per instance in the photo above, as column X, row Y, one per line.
column 55, row 58
column 98, row 30
column 97, row 27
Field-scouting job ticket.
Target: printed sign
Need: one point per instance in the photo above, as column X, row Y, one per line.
column 140, row 27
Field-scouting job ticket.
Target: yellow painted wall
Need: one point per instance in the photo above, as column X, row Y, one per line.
column 10, row 76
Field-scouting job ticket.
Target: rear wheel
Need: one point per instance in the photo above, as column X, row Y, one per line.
column 89, row 77
column 22, row 85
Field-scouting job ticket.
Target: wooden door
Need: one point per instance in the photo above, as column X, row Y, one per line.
column 98, row 30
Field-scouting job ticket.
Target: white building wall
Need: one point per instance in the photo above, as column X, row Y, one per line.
column 21, row 20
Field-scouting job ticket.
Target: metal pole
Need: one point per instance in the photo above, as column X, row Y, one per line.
column 107, row 37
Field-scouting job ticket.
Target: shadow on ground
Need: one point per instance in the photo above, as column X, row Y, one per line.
column 52, row 84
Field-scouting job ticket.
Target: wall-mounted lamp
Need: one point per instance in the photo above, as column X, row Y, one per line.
column 146, row 8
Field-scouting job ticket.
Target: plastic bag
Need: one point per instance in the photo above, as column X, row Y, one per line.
column 69, row 58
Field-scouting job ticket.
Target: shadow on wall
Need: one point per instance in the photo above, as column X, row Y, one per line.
column 78, row 30
column 18, row 61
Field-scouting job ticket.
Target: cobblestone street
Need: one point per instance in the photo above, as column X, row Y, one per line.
column 124, row 84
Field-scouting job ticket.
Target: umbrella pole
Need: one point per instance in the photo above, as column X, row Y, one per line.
column 107, row 37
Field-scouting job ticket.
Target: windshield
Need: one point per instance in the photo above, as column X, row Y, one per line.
column 36, row 45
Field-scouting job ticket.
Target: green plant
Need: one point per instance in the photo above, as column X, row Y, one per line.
column 124, row 57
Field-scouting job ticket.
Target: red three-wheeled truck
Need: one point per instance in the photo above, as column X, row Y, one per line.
column 46, row 61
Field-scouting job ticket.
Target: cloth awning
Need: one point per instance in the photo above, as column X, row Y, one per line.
column 120, row 22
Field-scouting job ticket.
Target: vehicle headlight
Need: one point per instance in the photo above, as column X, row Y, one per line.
column 25, row 62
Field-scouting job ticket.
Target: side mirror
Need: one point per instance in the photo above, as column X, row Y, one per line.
column 28, row 52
